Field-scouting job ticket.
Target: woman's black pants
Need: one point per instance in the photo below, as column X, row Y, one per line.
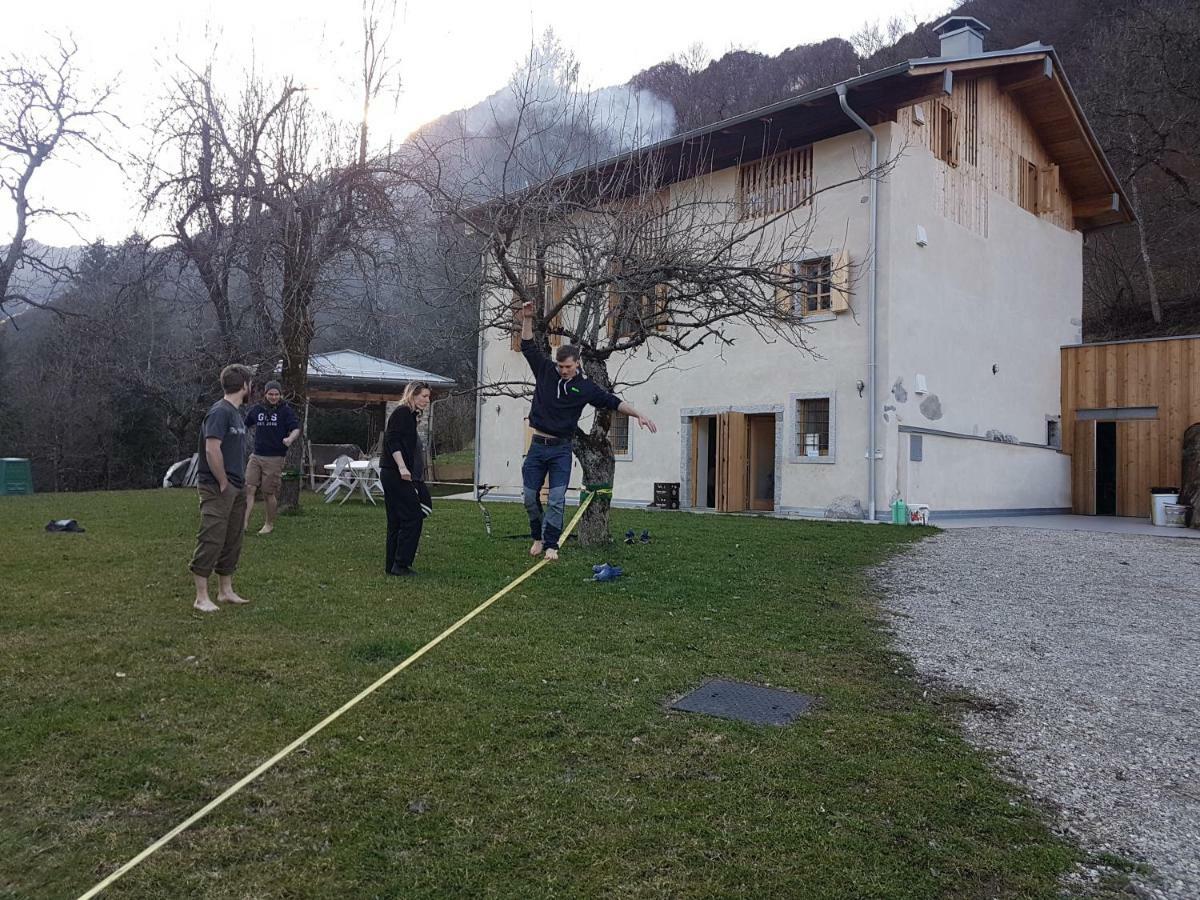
column 404, row 518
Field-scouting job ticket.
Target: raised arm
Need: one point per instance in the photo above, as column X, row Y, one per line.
column 538, row 361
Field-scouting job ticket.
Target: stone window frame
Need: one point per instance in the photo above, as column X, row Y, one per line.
column 793, row 455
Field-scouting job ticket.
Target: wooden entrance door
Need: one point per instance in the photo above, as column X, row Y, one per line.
column 732, row 465
column 1083, row 464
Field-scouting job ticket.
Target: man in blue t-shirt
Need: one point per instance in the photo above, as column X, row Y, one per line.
column 560, row 393
column 276, row 428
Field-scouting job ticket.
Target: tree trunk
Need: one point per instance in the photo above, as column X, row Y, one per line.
column 1190, row 493
column 296, row 332
column 1139, row 219
column 595, row 455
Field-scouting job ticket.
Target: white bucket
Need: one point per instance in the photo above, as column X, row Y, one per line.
column 1158, row 504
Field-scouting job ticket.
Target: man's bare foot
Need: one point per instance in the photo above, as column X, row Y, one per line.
column 266, row 529
column 203, row 604
column 551, row 554
column 536, row 549
column 231, row 597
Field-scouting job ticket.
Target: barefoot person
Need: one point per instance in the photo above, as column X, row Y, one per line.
column 559, row 395
column 276, row 428
column 402, row 471
column 221, row 482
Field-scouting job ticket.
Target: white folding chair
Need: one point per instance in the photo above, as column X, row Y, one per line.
column 342, row 477
column 371, row 481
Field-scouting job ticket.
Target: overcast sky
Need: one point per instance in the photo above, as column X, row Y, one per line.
column 452, row 54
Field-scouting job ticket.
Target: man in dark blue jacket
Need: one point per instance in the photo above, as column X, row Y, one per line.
column 559, row 395
column 276, row 428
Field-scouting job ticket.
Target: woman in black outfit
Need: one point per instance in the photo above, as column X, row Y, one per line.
column 402, row 471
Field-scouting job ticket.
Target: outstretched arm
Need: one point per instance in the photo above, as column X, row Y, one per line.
column 644, row 421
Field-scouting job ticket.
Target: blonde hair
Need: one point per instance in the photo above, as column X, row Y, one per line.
column 411, row 390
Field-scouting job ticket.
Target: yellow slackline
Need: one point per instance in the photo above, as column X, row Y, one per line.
column 334, row 716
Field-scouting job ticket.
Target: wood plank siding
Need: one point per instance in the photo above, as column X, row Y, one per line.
column 989, row 146
column 1111, row 381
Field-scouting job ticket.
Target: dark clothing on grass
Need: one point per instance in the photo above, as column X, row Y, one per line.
column 271, row 425
column 225, row 422
column 401, row 498
column 557, row 405
column 405, row 518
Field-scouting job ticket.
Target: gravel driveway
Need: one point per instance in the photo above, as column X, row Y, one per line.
column 1089, row 645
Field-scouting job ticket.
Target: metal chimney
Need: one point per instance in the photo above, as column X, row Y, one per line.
column 961, row 36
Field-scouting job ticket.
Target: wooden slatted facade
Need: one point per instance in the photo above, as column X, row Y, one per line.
column 990, row 147
column 1155, row 379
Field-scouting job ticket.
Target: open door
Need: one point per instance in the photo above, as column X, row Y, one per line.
column 1105, row 464
column 761, row 453
column 1083, row 469
column 732, row 465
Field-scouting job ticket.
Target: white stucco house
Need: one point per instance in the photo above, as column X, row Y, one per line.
column 937, row 380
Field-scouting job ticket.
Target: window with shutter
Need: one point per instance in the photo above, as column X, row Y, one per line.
column 821, row 285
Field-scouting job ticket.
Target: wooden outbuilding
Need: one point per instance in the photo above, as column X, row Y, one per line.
column 348, row 379
column 1125, row 408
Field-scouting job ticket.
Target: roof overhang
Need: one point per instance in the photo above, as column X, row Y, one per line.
column 1034, row 78
column 1032, row 74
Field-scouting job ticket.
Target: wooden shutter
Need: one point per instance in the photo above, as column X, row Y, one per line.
column 732, row 470
column 1047, row 188
column 661, row 306
column 695, row 426
column 785, row 299
column 555, row 289
column 839, row 288
column 515, row 327
column 1083, row 469
column 952, row 138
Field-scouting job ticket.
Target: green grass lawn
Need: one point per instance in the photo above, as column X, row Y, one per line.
column 464, row 457
column 529, row 756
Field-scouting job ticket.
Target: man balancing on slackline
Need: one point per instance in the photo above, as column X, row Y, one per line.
column 560, row 392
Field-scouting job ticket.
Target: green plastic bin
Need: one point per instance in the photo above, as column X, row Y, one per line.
column 16, row 476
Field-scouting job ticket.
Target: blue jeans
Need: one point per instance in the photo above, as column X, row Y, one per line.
column 543, row 458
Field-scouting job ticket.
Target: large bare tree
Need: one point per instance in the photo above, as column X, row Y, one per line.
column 45, row 110
column 613, row 259
column 265, row 187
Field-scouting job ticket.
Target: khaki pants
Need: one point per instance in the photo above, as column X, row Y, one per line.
column 265, row 473
column 222, row 524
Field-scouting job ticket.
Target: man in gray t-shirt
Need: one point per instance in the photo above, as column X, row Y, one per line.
column 221, row 478
column 224, row 422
